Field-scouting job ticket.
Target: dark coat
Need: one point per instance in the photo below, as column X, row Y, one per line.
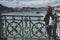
column 46, row 19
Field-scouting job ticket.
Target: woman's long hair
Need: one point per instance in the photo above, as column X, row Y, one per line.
column 49, row 9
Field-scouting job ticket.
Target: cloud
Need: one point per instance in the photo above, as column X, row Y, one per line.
column 34, row 3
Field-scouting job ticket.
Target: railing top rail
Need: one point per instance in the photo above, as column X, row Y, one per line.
column 21, row 14
column 25, row 15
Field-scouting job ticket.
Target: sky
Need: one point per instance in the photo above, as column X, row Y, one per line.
column 29, row 3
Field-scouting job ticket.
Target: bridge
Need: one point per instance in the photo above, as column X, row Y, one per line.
column 23, row 27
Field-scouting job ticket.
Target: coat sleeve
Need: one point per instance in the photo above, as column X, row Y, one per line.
column 45, row 18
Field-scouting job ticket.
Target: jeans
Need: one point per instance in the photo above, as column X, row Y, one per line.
column 50, row 30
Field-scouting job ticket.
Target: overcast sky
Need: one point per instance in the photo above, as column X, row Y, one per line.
column 29, row 3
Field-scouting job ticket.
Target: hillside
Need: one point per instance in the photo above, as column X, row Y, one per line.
column 10, row 9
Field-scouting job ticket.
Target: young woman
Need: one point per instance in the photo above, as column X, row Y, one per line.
column 49, row 21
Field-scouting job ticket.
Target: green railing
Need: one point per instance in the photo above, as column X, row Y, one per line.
column 22, row 27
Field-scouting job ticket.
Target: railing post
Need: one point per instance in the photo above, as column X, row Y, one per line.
column 1, row 29
column 1, row 34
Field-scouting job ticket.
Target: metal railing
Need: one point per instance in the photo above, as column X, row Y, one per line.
column 19, row 27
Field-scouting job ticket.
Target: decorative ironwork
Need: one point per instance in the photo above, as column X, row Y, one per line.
column 24, row 27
